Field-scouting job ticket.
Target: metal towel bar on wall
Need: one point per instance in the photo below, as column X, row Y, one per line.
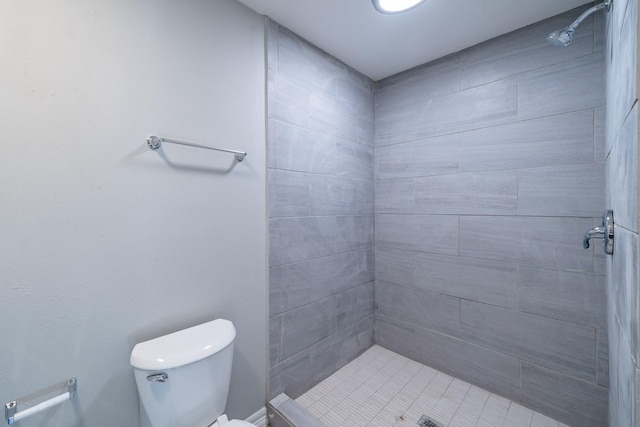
column 12, row 415
column 154, row 143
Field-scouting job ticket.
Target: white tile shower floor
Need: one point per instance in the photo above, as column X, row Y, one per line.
column 384, row 389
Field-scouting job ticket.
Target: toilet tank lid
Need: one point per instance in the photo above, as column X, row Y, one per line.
column 183, row 347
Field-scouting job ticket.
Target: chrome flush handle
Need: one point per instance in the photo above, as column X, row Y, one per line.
column 604, row 232
column 159, row 377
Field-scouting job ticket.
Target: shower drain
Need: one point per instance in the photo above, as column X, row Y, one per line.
column 425, row 421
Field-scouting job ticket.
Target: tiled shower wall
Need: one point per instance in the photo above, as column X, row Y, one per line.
column 321, row 190
column 622, row 197
column 489, row 170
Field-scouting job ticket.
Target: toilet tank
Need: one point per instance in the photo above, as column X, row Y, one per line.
column 183, row 378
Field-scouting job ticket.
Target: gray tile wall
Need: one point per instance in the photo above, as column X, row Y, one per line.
column 489, row 169
column 321, row 206
column 485, row 167
column 621, row 151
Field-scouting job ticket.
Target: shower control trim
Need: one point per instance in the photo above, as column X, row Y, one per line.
column 604, row 232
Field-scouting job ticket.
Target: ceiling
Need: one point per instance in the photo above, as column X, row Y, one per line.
column 380, row 45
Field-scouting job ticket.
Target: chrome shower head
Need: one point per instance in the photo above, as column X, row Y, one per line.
column 561, row 38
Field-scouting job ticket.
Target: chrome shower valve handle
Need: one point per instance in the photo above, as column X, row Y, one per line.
column 594, row 233
column 604, row 232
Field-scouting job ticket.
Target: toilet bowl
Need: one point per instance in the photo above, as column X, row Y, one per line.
column 183, row 378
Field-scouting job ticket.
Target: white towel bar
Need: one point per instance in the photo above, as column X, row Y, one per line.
column 12, row 415
column 154, row 143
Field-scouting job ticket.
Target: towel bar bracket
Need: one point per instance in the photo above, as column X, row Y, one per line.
column 12, row 415
column 10, row 410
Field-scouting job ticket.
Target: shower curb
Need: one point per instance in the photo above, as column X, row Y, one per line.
column 286, row 412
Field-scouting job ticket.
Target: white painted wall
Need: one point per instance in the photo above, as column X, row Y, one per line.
column 104, row 243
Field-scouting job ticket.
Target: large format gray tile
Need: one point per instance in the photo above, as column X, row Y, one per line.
column 602, row 353
column 275, row 386
column 557, row 140
column 600, row 150
column 289, row 287
column 272, row 34
column 568, row 190
column 599, row 257
column 567, row 86
column 574, row 402
column 294, row 285
column 336, row 273
column 622, row 277
column 307, row 325
column 481, row 106
column 354, row 160
column 303, row 150
column 396, row 336
column 478, row 193
column 549, row 242
column 299, row 59
column 357, row 90
column 395, row 196
column 623, row 296
column 354, row 232
column 622, row 174
column 332, row 116
column 354, row 305
column 613, row 333
column 292, row 376
column 491, row 370
column 599, row 27
column 365, row 126
column 523, row 50
column 431, row 156
column 426, row 233
column 564, row 347
column 492, row 282
column 288, row 100
column 288, row 193
column 437, row 78
column 332, row 353
column 621, row 83
column 623, row 391
column 572, row 296
column 272, row 153
column 275, row 340
column 298, row 239
column 395, row 265
column 340, row 196
column 425, row 309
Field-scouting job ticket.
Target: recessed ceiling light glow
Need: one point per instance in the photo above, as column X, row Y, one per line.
column 395, row 6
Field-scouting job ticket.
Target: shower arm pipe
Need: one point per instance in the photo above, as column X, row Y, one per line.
column 154, row 143
column 586, row 13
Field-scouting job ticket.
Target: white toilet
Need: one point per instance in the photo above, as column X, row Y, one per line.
column 183, row 378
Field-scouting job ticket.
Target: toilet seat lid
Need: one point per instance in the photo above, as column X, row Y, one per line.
column 183, row 347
